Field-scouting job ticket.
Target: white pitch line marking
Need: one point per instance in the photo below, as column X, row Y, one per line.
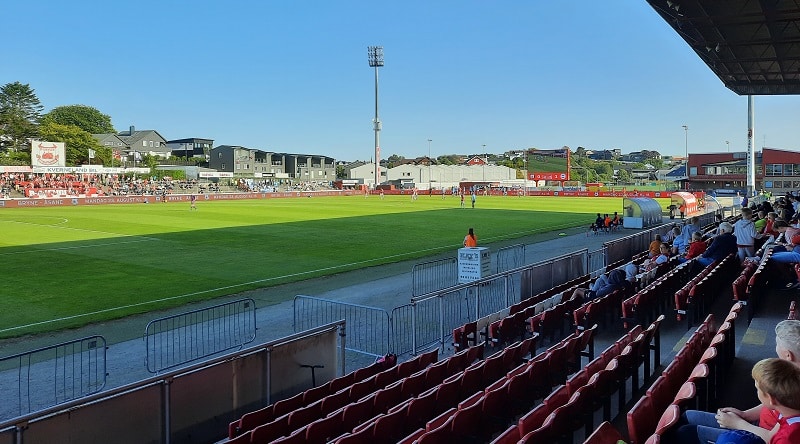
column 77, row 229
column 109, row 244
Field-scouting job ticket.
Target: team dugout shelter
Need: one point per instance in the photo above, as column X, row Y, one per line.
column 688, row 200
column 640, row 212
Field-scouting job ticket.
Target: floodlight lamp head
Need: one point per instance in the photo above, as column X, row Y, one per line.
column 375, row 55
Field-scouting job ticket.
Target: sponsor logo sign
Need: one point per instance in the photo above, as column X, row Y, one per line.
column 47, row 154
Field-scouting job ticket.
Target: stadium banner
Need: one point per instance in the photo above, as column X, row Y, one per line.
column 16, row 169
column 548, row 164
column 47, row 154
column 89, row 169
column 48, row 200
column 210, row 174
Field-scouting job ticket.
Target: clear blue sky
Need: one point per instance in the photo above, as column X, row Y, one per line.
column 292, row 76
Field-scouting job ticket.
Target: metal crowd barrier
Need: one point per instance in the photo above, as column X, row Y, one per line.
column 596, row 262
column 433, row 275
column 51, row 375
column 429, row 319
column 510, row 257
column 368, row 327
column 191, row 404
column 176, row 340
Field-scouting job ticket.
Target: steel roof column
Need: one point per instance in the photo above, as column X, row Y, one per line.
column 751, row 156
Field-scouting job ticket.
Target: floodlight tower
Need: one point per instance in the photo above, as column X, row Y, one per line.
column 375, row 56
column 686, row 145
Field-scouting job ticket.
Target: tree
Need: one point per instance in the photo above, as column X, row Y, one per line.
column 84, row 117
column 150, row 161
column 623, row 176
column 340, row 172
column 393, row 159
column 78, row 143
column 20, row 111
column 580, row 152
column 448, row 160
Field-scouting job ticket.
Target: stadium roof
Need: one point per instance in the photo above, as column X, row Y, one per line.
column 753, row 46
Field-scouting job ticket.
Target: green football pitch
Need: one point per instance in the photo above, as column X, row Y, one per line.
column 65, row 267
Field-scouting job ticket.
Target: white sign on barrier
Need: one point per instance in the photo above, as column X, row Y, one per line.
column 474, row 263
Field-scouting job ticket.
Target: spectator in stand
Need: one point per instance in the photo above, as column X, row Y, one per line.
column 722, row 245
column 745, row 231
column 760, row 222
column 678, row 243
column 616, row 280
column 662, row 258
column 781, row 263
column 696, row 247
column 785, row 234
column 769, row 229
column 669, row 236
column 717, row 221
column 702, row 427
column 687, row 231
column 655, row 246
column 631, row 270
column 600, row 282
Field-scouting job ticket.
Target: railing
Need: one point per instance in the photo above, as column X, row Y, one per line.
column 429, row 319
column 510, row 257
column 433, row 275
column 624, row 247
column 369, row 327
column 435, row 315
column 176, row 340
column 51, row 375
column 596, row 262
column 191, row 404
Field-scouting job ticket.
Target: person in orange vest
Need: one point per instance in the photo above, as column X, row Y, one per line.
column 470, row 240
column 682, row 210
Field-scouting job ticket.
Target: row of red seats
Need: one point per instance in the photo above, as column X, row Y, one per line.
column 412, row 418
column 264, row 415
column 598, row 310
column 683, row 296
column 691, row 380
column 488, row 411
column 546, row 294
column 756, row 285
column 702, row 294
column 513, row 318
column 650, row 302
column 296, row 412
column 740, row 283
column 572, row 405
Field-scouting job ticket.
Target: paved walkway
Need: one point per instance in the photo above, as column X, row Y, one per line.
column 384, row 286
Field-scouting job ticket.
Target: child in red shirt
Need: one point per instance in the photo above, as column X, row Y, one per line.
column 697, row 246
